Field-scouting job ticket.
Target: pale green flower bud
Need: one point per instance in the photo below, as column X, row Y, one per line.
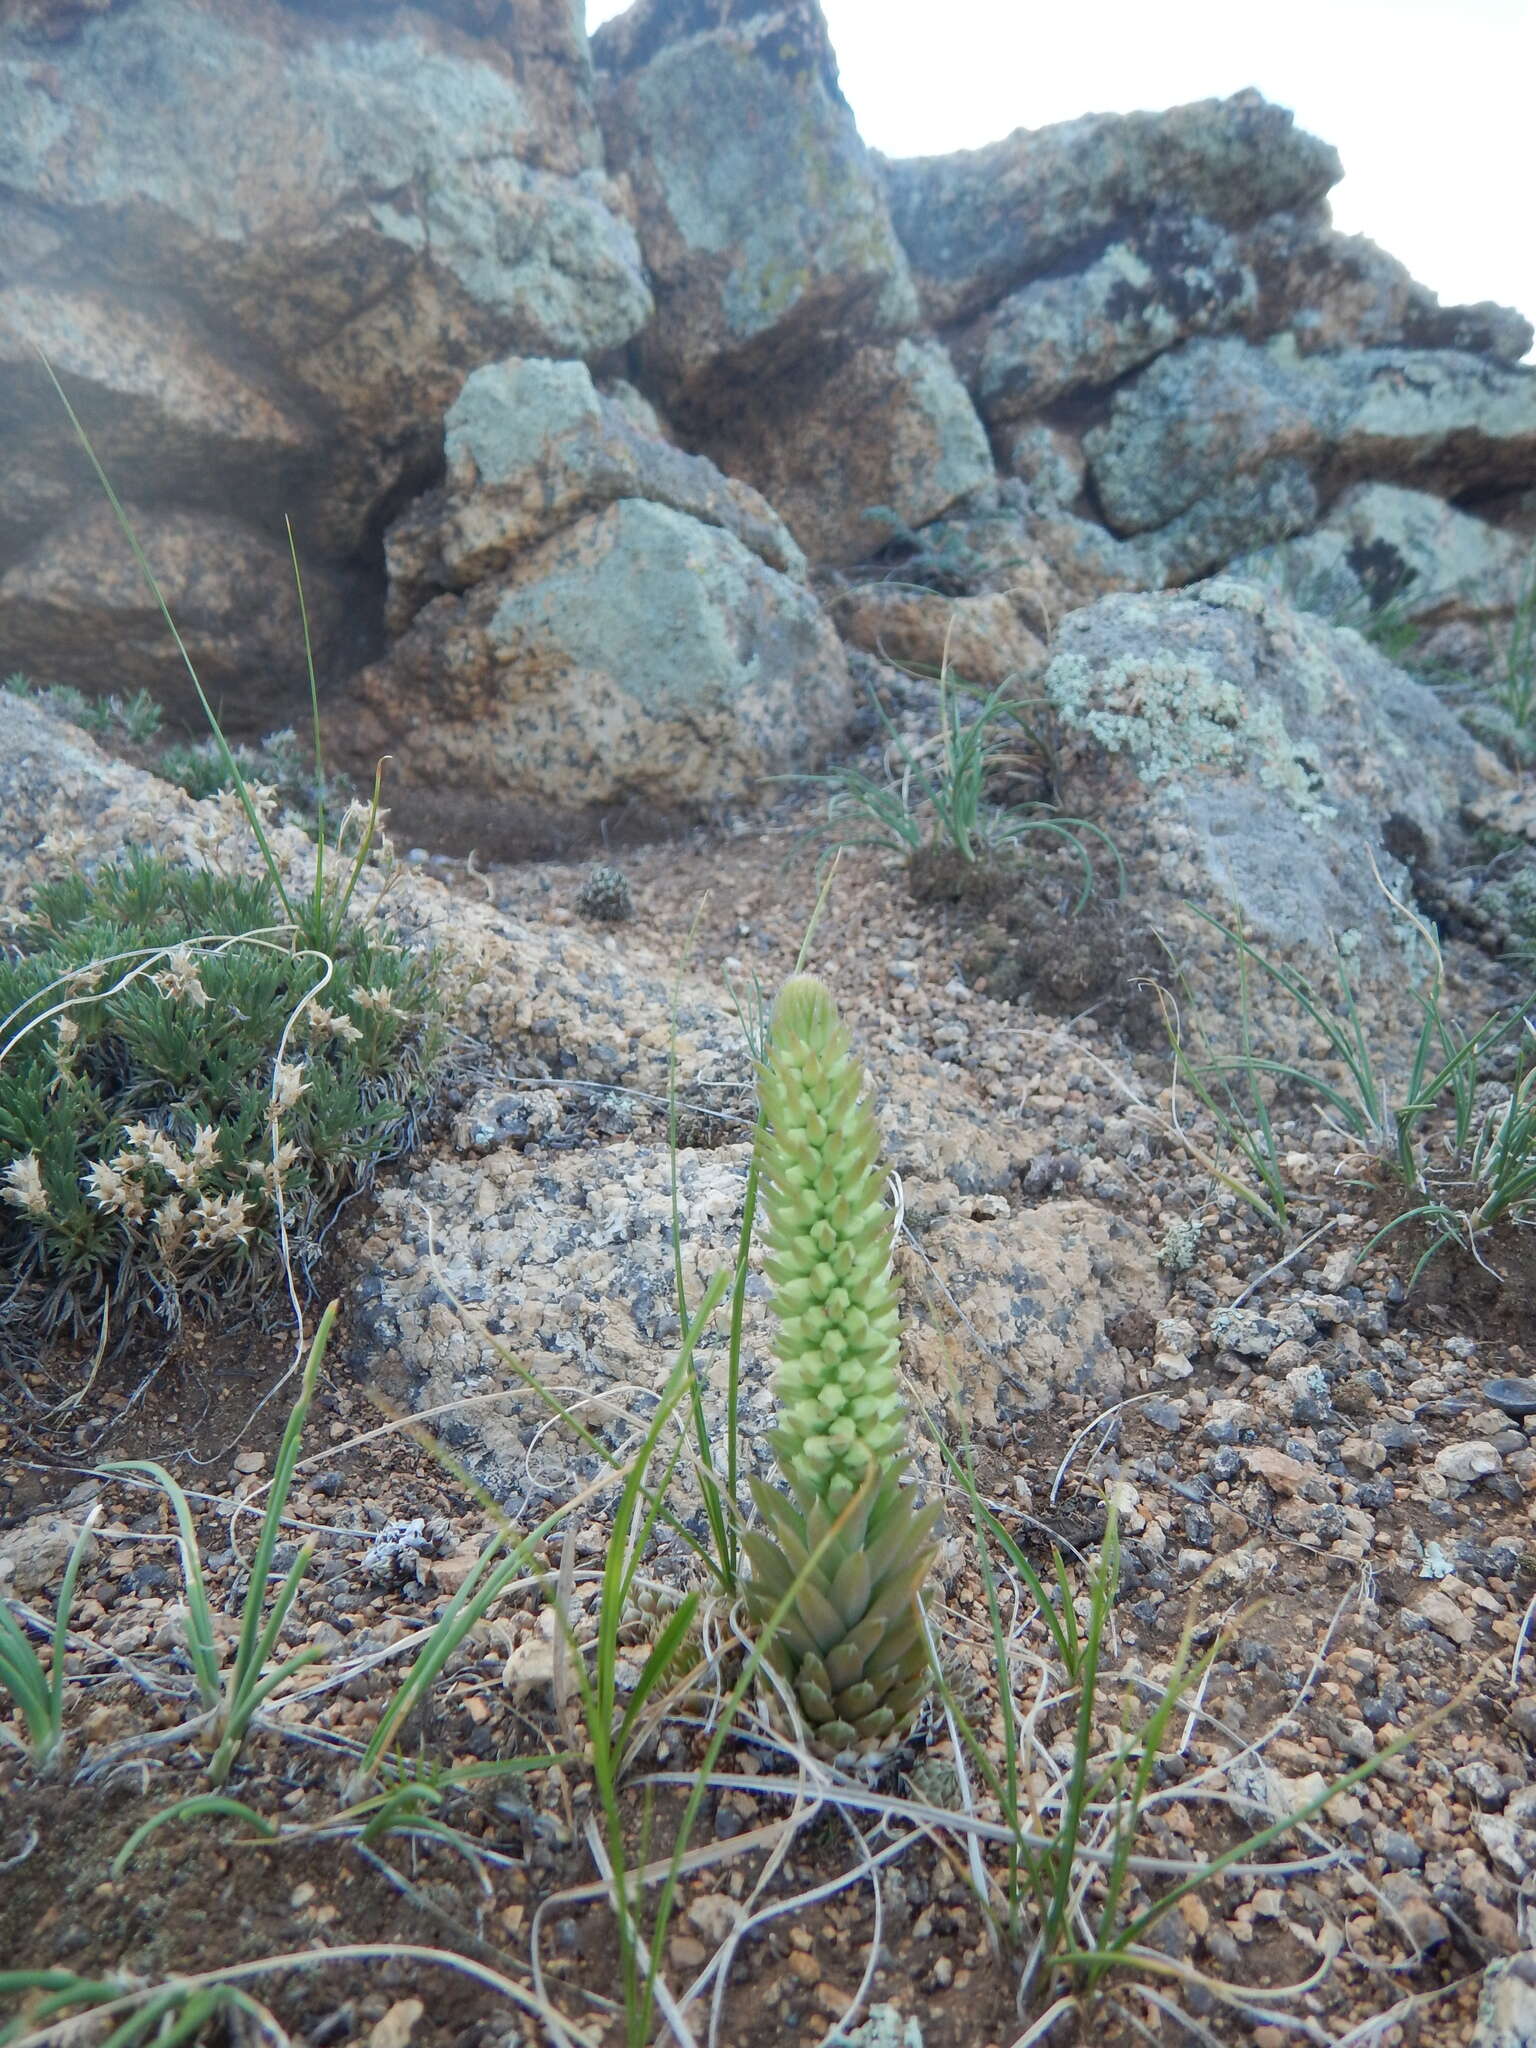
column 828, row 1242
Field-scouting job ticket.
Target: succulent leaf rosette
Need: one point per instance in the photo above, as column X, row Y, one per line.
column 851, row 1548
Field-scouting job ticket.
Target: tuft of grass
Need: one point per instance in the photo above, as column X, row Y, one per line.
column 1387, row 623
column 1464, row 1163
column 62, row 2003
column 232, row 1701
column 280, row 762
column 1076, row 1894
column 173, row 1093
column 1512, row 660
column 38, row 1694
column 1484, row 1173
column 158, row 2015
column 615, row 1726
column 1379, row 612
column 136, row 718
column 938, row 800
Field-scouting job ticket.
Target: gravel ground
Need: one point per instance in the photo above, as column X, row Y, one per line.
column 1308, row 1468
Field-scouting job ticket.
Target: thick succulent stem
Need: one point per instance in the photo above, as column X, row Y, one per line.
column 850, row 1553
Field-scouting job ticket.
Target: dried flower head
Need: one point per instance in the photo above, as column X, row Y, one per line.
column 148, row 1147
column 331, row 1024
column 288, row 1084
column 24, row 1188
column 171, row 1225
column 380, row 1000
column 221, row 1220
column 111, row 1186
column 273, row 1171
column 180, row 977
column 205, row 1154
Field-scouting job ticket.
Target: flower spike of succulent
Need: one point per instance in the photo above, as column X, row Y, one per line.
column 852, row 1550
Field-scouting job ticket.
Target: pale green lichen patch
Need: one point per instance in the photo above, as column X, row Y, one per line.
column 1173, row 715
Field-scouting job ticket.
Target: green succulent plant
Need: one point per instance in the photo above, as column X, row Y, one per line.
column 841, row 1561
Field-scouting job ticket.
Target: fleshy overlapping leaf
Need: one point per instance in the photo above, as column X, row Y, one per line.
column 846, row 1556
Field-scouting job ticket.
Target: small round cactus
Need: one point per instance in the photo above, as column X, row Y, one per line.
column 605, row 896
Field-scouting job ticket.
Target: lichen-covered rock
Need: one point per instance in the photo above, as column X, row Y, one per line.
column 635, row 656
column 1038, row 1285
column 76, row 609
column 1281, row 756
column 531, row 446
column 1048, row 560
column 888, row 426
column 287, row 133
column 982, row 640
column 171, row 414
column 764, row 226
column 1434, row 418
column 980, row 223
column 1332, row 291
column 1049, row 462
column 1211, row 409
column 1244, row 511
column 575, row 1252
column 1483, row 329
column 1191, row 421
column 372, row 210
column 1165, row 280
column 1506, row 2005
column 35, row 1554
column 1379, row 545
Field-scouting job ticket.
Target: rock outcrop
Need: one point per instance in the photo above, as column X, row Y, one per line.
column 1283, row 763
column 589, row 621
column 784, row 339
column 981, row 223
column 76, row 607
column 531, row 446
column 579, row 370
column 763, row 222
column 263, row 247
column 887, row 434
column 1163, row 332
column 1201, row 414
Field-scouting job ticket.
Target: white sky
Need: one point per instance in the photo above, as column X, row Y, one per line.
column 1427, row 101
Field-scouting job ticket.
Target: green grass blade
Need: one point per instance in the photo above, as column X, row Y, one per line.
column 231, row 765
column 277, row 1500
column 195, row 1808
column 61, row 1632
column 286, row 1595
column 314, row 713
column 202, row 1643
